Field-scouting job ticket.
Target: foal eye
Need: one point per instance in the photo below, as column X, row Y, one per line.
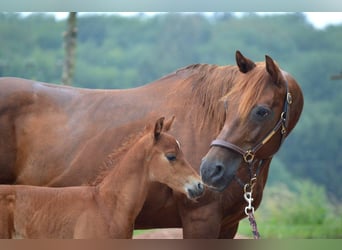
column 171, row 157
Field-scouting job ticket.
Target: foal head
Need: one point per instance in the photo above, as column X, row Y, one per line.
column 168, row 165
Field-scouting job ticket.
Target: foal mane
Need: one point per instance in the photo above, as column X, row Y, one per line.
column 115, row 157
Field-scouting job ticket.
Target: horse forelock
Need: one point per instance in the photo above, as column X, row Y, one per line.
column 247, row 90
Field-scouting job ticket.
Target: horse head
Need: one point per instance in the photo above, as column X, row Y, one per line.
column 261, row 108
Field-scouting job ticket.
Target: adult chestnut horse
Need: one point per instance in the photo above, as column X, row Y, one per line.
column 109, row 208
column 55, row 136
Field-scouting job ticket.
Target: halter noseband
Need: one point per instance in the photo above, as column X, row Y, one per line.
column 249, row 155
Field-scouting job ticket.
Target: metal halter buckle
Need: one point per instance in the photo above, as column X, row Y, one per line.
column 248, row 156
column 248, row 187
column 289, row 98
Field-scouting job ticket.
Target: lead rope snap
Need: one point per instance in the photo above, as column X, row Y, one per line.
column 249, row 210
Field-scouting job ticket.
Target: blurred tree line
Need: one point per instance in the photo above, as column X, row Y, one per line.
column 124, row 52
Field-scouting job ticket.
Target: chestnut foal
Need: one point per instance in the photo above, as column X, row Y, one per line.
column 109, row 208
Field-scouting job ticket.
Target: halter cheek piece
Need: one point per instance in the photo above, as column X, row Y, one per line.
column 249, row 154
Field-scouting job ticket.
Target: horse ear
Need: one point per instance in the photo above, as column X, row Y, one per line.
column 158, row 127
column 243, row 63
column 168, row 123
column 273, row 69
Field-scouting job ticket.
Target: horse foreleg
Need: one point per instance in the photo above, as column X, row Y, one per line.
column 200, row 222
column 6, row 217
column 204, row 229
column 228, row 231
column 5, row 227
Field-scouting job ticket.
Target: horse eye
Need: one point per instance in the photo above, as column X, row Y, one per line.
column 171, row 157
column 262, row 112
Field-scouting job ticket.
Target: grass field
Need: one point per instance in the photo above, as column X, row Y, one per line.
column 300, row 212
column 280, row 230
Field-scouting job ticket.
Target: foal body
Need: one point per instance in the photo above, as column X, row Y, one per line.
column 106, row 210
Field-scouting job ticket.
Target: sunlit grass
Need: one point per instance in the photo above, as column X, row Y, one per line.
column 299, row 213
column 138, row 231
column 273, row 230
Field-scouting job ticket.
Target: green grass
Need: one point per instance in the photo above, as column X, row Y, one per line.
column 302, row 212
column 273, row 230
column 138, row 231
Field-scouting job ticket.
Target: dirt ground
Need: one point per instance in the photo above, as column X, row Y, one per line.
column 169, row 233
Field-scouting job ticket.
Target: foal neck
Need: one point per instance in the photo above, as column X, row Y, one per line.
column 124, row 190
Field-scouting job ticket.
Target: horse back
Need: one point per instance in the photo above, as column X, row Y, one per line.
column 27, row 108
column 58, row 136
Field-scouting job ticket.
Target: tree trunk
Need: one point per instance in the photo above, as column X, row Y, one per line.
column 70, row 38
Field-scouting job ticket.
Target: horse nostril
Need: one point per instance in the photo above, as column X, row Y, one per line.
column 200, row 186
column 218, row 170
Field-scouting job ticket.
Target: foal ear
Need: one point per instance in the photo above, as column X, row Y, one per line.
column 243, row 63
column 273, row 69
column 168, row 123
column 158, row 127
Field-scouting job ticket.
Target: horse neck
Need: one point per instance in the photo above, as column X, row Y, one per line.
column 124, row 189
column 207, row 91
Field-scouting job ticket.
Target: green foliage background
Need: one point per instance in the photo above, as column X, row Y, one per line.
column 122, row 52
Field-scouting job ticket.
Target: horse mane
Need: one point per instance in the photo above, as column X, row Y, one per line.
column 209, row 82
column 212, row 85
column 115, row 157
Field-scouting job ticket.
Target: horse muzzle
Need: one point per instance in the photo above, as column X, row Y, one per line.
column 218, row 172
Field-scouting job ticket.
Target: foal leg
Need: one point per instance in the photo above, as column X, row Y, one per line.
column 89, row 225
